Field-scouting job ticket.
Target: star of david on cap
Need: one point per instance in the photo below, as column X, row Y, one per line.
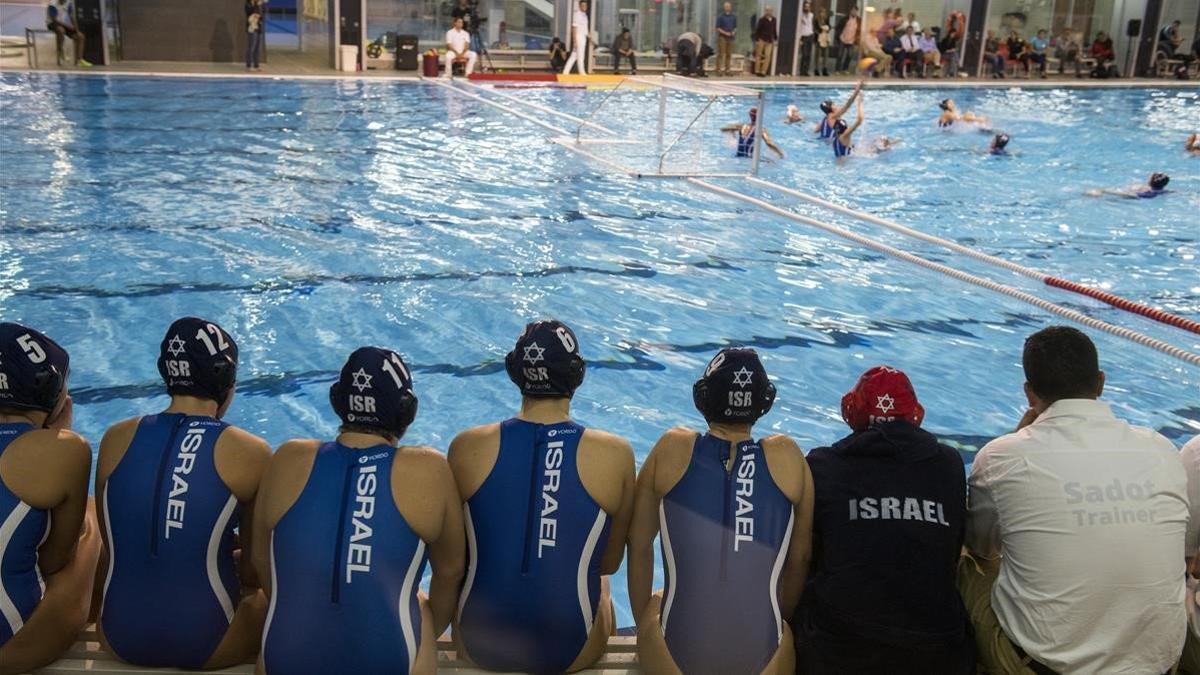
column 885, row 404
column 175, row 346
column 742, row 377
column 362, row 380
column 533, row 353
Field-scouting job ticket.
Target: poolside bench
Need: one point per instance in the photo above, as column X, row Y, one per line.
column 620, row 658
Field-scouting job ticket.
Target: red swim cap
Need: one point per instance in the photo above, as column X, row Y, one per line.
column 882, row 394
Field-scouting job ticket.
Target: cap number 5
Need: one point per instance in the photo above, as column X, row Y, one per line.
column 32, row 349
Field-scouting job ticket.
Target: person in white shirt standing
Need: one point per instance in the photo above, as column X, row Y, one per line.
column 579, row 39
column 807, row 37
column 1078, row 524
column 458, row 44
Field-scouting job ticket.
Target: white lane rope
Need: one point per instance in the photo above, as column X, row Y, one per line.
column 1132, row 335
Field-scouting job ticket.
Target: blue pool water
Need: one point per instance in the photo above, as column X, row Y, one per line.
column 313, row 217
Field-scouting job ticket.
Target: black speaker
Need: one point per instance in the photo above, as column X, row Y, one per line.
column 406, row 52
column 1134, row 28
column 90, row 16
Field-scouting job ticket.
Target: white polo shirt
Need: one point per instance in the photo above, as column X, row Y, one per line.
column 580, row 21
column 806, row 24
column 459, row 40
column 1091, row 515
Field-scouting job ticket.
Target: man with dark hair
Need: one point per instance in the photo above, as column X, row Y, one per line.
column 547, row 506
column 1091, row 515
column 889, row 498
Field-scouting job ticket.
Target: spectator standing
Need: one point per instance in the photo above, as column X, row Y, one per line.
column 558, row 55
column 579, row 39
column 905, row 520
column 726, row 27
column 623, row 47
column 912, row 22
column 949, row 45
column 807, row 37
column 1066, row 50
column 458, row 45
column 60, row 20
column 848, row 30
column 1090, row 515
column 254, row 33
column 766, row 34
column 821, row 26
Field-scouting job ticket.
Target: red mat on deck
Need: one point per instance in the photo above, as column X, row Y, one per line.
column 515, row 77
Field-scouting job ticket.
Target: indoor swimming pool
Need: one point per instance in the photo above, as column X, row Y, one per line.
column 312, row 217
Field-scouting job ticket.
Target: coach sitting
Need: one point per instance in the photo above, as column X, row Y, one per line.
column 458, row 46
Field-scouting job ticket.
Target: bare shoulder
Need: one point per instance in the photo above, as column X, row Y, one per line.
column 423, row 460
column 66, row 444
column 670, row 457
column 120, row 434
column 468, row 445
column 244, row 441
column 615, row 449
column 299, row 450
column 786, row 463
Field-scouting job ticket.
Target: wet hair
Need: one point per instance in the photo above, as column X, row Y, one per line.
column 1061, row 362
column 1159, row 180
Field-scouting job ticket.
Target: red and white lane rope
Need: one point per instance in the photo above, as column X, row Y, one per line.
column 1050, row 280
column 1132, row 335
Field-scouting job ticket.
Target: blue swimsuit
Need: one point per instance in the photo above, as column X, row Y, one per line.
column 22, row 531
column 172, row 585
column 345, row 571
column 826, row 130
column 724, row 536
column 745, row 144
column 535, row 535
column 841, row 149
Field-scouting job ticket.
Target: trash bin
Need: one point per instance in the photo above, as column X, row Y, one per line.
column 429, row 65
column 349, row 58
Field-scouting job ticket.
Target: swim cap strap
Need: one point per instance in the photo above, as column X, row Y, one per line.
column 375, row 390
column 198, row 358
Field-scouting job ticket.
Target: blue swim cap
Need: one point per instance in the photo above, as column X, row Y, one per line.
column 827, row 106
column 33, row 369
column 545, row 363
column 999, row 141
column 198, row 358
column 375, row 390
column 1159, row 181
column 840, row 126
column 734, row 388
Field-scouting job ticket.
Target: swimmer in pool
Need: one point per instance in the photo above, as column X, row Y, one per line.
column 830, row 115
column 951, row 114
column 49, row 532
column 1192, row 145
column 843, row 139
column 375, row 536
column 998, row 145
column 172, row 489
column 735, row 517
column 548, row 503
column 1154, row 186
column 745, row 136
column 793, row 115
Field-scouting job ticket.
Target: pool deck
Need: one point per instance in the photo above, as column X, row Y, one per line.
column 286, row 65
